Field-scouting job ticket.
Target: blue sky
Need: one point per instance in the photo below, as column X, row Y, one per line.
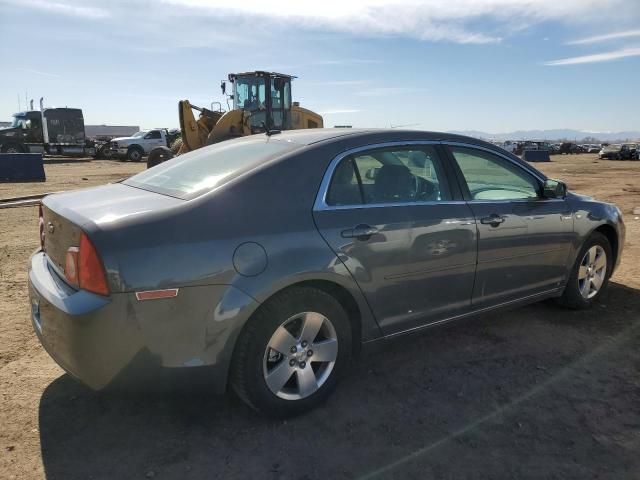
column 490, row 65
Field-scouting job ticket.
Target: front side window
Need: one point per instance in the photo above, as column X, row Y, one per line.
column 408, row 174
column 489, row 177
column 153, row 135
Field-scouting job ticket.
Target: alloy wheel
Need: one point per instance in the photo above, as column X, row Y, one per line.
column 300, row 356
column 592, row 271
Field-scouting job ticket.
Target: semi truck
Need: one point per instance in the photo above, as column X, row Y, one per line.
column 50, row 131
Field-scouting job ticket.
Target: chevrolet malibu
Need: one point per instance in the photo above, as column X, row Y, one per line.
column 272, row 260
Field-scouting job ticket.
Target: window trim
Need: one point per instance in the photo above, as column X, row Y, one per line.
column 462, row 181
column 320, row 203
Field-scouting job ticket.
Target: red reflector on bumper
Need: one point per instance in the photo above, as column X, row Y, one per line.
column 155, row 294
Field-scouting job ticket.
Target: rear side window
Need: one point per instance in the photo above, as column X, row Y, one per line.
column 489, row 177
column 192, row 174
column 387, row 176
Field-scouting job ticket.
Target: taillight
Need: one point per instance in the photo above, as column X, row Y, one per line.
column 83, row 267
column 71, row 265
column 41, row 225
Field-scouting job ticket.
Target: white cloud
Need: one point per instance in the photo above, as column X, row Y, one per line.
column 597, row 57
column 37, row 72
column 436, row 20
column 64, row 8
column 457, row 21
column 606, row 37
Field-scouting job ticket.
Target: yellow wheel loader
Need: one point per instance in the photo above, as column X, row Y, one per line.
column 261, row 103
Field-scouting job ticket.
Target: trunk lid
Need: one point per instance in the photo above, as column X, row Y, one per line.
column 67, row 215
column 59, row 235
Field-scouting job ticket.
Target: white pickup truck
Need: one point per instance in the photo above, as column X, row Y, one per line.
column 138, row 145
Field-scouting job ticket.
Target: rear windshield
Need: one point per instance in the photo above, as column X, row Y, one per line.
column 197, row 172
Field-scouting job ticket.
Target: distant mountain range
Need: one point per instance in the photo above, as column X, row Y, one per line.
column 558, row 134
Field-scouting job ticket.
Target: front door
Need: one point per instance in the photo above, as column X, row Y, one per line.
column 389, row 215
column 154, row 139
column 523, row 239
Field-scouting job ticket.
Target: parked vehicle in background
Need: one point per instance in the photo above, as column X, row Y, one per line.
column 635, row 151
column 617, row 152
column 593, row 148
column 509, row 146
column 569, row 148
column 544, row 146
column 272, row 259
column 532, row 145
column 102, row 135
column 135, row 147
column 50, row 131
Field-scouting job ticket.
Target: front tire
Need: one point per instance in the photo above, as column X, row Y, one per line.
column 12, row 148
column 105, row 152
column 292, row 352
column 135, row 154
column 590, row 274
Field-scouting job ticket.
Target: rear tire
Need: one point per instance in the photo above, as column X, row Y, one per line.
column 304, row 380
column 589, row 277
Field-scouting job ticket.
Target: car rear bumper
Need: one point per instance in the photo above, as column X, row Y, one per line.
column 95, row 338
column 88, row 335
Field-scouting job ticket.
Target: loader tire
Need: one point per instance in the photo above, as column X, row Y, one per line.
column 159, row 155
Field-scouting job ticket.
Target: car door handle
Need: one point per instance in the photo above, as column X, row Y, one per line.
column 493, row 220
column 361, row 232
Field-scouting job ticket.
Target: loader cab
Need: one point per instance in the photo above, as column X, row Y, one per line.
column 266, row 96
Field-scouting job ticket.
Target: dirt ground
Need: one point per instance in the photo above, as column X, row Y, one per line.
column 537, row 392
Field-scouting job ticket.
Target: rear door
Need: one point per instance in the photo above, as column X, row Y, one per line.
column 523, row 239
column 392, row 217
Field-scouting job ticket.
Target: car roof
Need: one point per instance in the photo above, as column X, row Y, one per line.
column 369, row 135
column 309, row 136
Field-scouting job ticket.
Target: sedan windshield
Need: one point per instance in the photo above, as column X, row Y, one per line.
column 197, row 172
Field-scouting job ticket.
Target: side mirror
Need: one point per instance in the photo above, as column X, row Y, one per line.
column 223, row 87
column 554, row 189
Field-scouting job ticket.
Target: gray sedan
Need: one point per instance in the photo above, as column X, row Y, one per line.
column 272, row 260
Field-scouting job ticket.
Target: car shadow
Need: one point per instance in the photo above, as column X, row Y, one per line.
column 539, row 391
